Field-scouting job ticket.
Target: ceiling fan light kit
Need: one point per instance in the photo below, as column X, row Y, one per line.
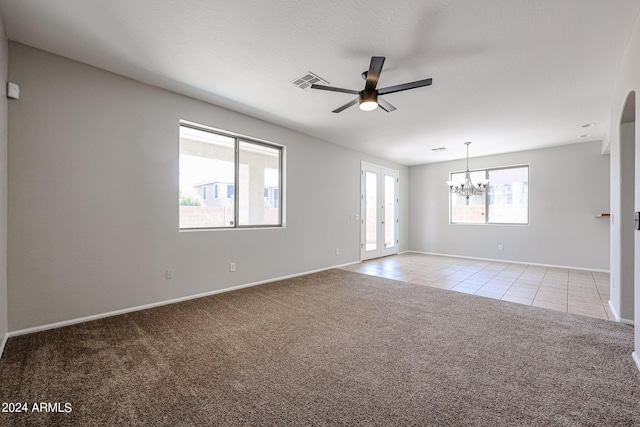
column 368, row 99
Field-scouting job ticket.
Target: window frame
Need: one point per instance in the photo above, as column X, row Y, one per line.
column 238, row 138
column 485, row 194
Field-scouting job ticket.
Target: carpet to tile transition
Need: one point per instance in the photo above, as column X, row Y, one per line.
column 331, row 348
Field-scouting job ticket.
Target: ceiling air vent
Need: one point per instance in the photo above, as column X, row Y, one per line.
column 438, row 149
column 308, row 79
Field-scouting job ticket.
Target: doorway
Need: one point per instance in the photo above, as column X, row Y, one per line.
column 379, row 211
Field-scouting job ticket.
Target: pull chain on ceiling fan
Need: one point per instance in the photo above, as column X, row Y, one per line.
column 369, row 98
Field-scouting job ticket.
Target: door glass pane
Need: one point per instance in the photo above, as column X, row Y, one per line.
column 371, row 211
column 259, row 184
column 206, row 162
column 389, row 211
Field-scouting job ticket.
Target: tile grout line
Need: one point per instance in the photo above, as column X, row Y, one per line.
column 539, row 285
column 520, row 275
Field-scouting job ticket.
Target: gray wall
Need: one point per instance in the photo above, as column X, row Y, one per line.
column 563, row 229
column 4, row 58
column 93, row 190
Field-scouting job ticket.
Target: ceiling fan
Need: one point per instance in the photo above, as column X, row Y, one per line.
column 369, row 98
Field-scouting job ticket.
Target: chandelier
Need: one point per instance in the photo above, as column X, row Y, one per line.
column 468, row 188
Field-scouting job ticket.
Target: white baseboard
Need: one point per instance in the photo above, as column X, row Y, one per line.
column 636, row 359
column 613, row 311
column 512, row 262
column 3, row 343
column 160, row 303
column 617, row 316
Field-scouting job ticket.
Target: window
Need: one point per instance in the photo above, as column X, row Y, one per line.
column 473, row 209
column 506, row 200
column 508, row 196
column 204, row 192
column 210, row 156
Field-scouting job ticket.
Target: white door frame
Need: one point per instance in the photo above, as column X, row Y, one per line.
column 380, row 248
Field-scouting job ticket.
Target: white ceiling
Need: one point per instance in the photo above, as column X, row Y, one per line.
column 508, row 75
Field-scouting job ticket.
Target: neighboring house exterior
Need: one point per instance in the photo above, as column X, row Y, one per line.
column 218, row 193
column 271, row 197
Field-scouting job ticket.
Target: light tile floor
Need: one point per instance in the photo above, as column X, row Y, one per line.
column 574, row 291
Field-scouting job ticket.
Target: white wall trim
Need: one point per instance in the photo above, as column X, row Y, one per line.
column 636, row 359
column 512, row 262
column 159, row 304
column 613, row 311
column 3, row 343
column 617, row 316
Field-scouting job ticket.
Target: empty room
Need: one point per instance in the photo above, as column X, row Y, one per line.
column 336, row 213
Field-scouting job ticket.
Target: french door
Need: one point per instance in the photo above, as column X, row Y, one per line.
column 379, row 211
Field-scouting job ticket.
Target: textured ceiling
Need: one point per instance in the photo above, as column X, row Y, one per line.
column 508, row 75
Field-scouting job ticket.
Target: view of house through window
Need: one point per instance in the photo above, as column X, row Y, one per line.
column 506, row 200
column 227, row 181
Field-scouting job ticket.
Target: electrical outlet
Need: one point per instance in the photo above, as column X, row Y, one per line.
column 169, row 273
column 337, row 251
column 501, row 247
column 232, row 266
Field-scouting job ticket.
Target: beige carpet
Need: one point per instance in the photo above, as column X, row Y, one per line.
column 331, row 348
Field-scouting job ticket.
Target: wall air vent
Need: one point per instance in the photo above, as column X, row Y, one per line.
column 306, row 80
column 438, row 149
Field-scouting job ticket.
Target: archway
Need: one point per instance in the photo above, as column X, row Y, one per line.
column 622, row 289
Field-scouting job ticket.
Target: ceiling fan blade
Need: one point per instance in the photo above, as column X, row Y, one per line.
column 334, row 89
column 406, row 86
column 375, row 68
column 385, row 105
column 345, row 106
